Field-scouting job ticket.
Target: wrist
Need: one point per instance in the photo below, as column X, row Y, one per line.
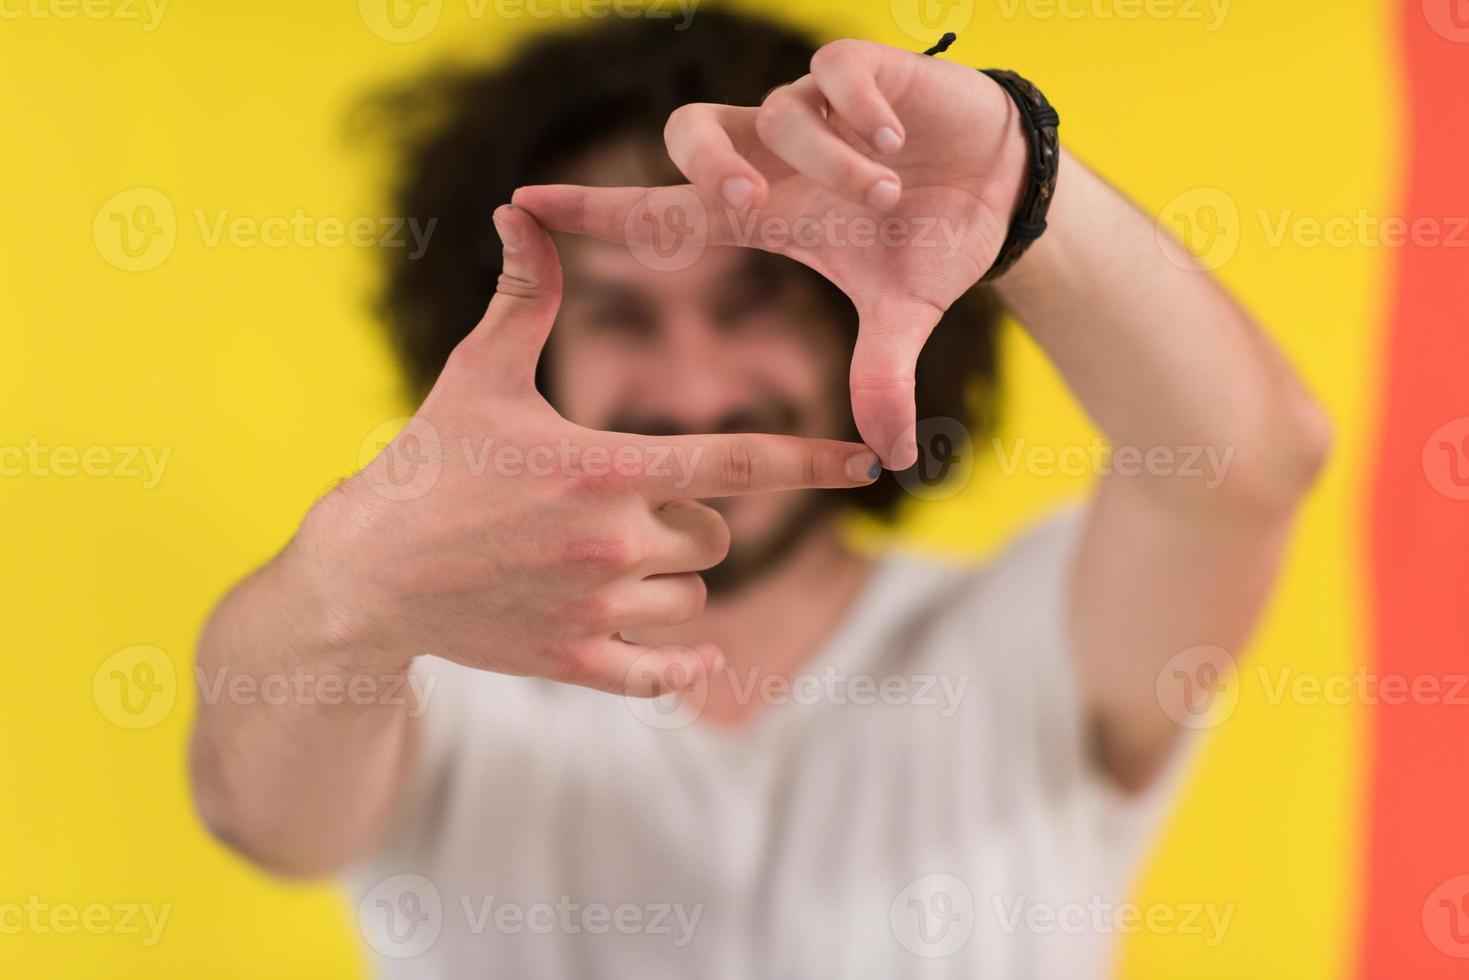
column 1045, row 260
column 1036, row 122
column 328, row 627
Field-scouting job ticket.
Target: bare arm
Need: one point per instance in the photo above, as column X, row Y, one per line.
column 296, row 773
column 1164, row 360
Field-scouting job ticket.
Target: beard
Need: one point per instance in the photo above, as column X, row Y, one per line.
column 750, row 558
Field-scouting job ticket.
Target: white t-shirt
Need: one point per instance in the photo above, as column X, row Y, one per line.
column 919, row 803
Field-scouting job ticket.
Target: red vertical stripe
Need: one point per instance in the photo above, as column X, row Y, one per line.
column 1416, row 921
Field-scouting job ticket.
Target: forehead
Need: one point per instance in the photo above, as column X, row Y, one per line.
column 591, row 265
column 635, row 161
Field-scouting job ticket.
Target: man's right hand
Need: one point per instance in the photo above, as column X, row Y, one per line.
column 521, row 543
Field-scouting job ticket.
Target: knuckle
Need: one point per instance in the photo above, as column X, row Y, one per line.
column 520, row 285
column 810, row 468
column 847, row 172
column 737, row 467
column 683, row 117
column 601, row 553
column 563, row 665
column 582, row 666
column 600, row 485
column 773, row 112
column 700, row 159
column 836, row 54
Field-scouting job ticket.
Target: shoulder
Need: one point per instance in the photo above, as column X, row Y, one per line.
column 1027, row 576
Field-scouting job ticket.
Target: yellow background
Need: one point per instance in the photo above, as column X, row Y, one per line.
column 260, row 371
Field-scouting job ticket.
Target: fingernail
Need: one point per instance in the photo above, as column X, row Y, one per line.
column 737, row 191
column 509, row 234
column 863, row 468
column 883, row 195
column 886, row 140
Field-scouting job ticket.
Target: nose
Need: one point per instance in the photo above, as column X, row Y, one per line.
column 692, row 376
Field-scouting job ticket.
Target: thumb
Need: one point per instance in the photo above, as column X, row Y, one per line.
column 884, row 363
column 508, row 339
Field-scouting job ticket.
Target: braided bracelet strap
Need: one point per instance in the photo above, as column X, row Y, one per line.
column 1039, row 122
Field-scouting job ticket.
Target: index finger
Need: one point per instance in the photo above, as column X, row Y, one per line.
column 634, row 215
column 702, row 467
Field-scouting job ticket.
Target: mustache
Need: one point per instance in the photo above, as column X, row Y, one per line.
column 776, row 416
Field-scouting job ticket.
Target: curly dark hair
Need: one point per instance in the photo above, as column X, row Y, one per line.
column 466, row 138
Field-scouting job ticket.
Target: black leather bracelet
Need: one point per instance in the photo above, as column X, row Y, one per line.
column 1039, row 122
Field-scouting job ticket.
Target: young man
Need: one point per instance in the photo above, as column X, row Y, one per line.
column 878, row 766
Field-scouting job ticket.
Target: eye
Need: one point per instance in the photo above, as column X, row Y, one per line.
column 620, row 318
column 735, row 308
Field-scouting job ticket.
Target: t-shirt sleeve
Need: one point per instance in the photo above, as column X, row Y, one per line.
column 1018, row 611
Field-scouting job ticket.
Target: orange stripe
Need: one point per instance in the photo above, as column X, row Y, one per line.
column 1417, row 904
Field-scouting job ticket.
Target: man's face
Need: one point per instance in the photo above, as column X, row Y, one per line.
column 740, row 341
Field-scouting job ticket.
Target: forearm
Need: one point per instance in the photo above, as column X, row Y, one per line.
column 1177, row 559
column 1161, row 357
column 298, row 751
